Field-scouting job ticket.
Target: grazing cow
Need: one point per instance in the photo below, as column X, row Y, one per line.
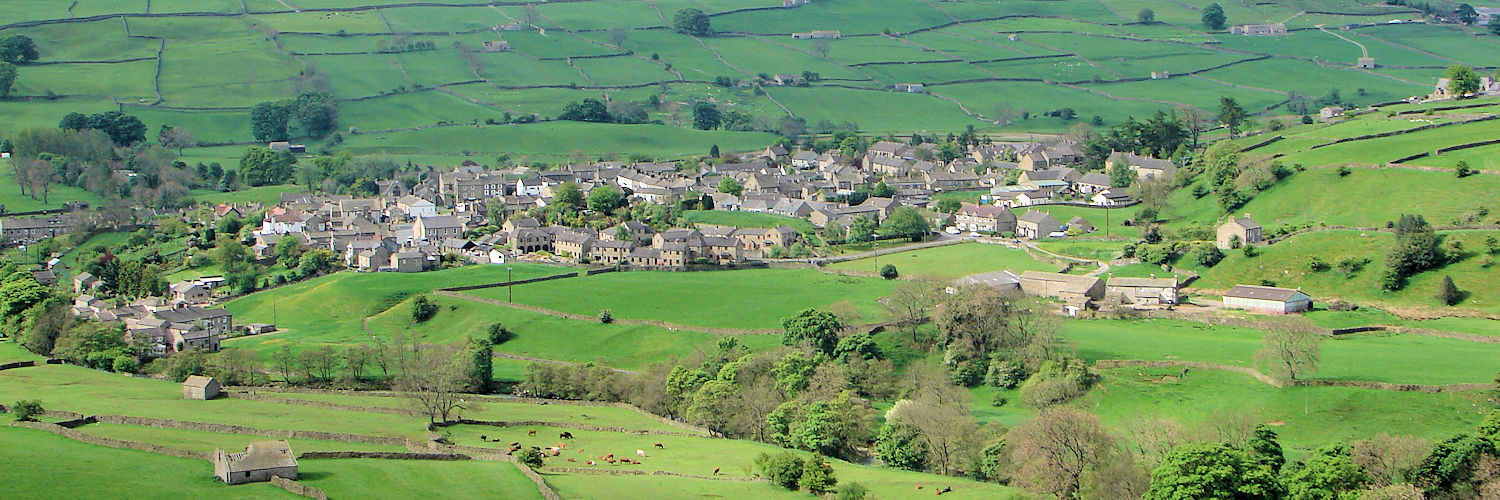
column 640, row 453
column 716, row 471
column 590, row 462
column 571, row 460
column 659, row 446
column 483, row 437
column 919, row 486
column 565, row 435
column 515, row 444
column 531, row 432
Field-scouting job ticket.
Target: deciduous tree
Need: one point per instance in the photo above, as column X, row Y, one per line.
column 1056, row 448
column 1289, row 352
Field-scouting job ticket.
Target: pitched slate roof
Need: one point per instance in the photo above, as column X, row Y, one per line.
column 1261, row 292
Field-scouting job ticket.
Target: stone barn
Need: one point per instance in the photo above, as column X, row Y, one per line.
column 260, row 461
column 200, row 388
column 1266, row 299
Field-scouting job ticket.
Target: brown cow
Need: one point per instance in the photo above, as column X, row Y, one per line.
column 531, row 432
column 658, row 445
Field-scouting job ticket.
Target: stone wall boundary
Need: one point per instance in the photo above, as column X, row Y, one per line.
column 112, row 443
column 384, row 455
column 572, row 274
column 16, row 364
column 315, row 404
column 566, row 425
column 1384, row 386
column 297, row 488
column 633, row 472
column 541, row 484
column 239, row 429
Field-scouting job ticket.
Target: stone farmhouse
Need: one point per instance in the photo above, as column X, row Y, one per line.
column 1243, row 230
column 260, row 461
column 1036, row 225
column 984, row 218
column 1076, row 292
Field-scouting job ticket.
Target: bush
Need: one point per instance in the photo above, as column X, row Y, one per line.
column 1463, row 169
column 27, row 410
column 782, row 468
column 1005, row 374
column 423, row 309
column 1153, row 254
column 606, row 317
column 1343, row 171
column 817, row 476
column 888, row 271
column 998, row 400
column 852, row 491
column 1317, row 265
column 1249, row 251
column 125, row 364
column 1207, row 255
column 499, row 334
column 532, row 457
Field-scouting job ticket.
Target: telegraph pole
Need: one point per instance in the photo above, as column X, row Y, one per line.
column 510, row 294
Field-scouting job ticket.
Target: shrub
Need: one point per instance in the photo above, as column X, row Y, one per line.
column 125, row 364
column 1250, row 251
column 782, row 468
column 1463, row 169
column 1153, row 254
column 1448, row 293
column 1005, row 374
column 1317, row 265
column 998, row 400
column 1351, row 265
column 817, row 476
column 532, row 457
column 1207, row 255
column 1343, row 171
column 852, row 491
column 27, row 410
column 423, row 309
column 888, row 271
column 606, row 317
column 499, row 334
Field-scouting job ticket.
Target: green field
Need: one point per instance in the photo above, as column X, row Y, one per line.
column 45, row 465
column 1100, row 51
column 952, row 261
column 747, row 219
column 13, row 201
column 752, row 298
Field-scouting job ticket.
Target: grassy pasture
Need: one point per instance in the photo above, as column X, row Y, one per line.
column 208, row 441
column 266, row 195
column 170, row 6
column 1305, row 417
column 1385, row 149
column 418, row 108
column 92, row 41
column 854, row 17
column 555, row 140
column 375, row 478
column 508, row 69
column 780, row 55
column 602, row 14
column 542, row 101
column 886, row 111
column 752, row 298
column 72, row 388
column 1297, row 199
column 125, row 81
column 623, row 70
column 1482, row 158
column 45, row 465
column 1447, row 40
column 207, row 126
column 747, row 219
column 185, row 83
column 350, row 297
column 699, row 456
column 1313, row 79
column 952, row 261
column 1185, row 89
column 432, row 19
column 537, row 335
column 362, row 21
column 1404, row 358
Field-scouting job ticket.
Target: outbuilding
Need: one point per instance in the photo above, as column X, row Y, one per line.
column 1267, row 299
column 200, row 388
column 260, row 461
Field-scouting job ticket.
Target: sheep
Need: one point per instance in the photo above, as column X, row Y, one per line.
column 640, row 453
column 565, row 435
column 659, row 446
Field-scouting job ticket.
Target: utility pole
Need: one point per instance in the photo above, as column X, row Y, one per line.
column 510, row 294
column 1106, row 221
